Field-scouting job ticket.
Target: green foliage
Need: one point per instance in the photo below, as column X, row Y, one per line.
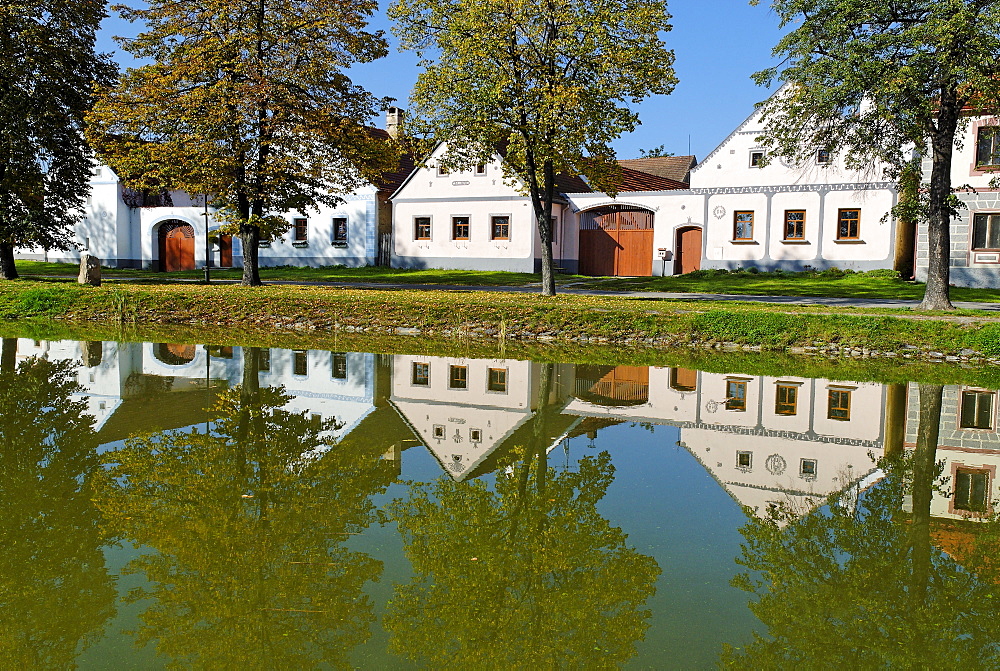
column 523, row 575
column 986, row 339
column 249, row 523
column 655, row 152
column 37, row 301
column 551, row 86
column 249, row 102
column 55, row 591
column 767, row 329
column 48, row 71
column 882, row 273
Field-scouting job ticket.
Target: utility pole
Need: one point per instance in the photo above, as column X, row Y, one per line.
column 208, row 245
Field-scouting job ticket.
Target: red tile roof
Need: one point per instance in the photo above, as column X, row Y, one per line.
column 393, row 179
column 634, row 180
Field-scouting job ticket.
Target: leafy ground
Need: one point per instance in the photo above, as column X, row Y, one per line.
column 830, row 283
column 466, row 316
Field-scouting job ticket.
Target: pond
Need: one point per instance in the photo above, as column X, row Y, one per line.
column 225, row 507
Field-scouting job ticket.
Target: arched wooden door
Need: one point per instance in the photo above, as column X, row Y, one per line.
column 688, row 256
column 616, row 240
column 176, row 246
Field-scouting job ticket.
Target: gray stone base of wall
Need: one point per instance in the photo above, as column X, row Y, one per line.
column 976, row 278
column 442, row 263
column 769, row 265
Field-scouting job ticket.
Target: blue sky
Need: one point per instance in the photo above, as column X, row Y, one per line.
column 718, row 44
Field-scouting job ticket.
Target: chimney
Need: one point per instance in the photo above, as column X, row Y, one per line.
column 394, row 122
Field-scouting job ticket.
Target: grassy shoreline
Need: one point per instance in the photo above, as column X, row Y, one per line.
column 468, row 316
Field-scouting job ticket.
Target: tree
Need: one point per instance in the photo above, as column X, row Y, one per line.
column 246, row 100
column 862, row 586
column 524, row 574
column 249, row 522
column 56, row 595
column 48, row 70
column 875, row 78
column 655, row 152
column 546, row 84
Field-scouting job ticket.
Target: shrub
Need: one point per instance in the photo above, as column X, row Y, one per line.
column 883, row 273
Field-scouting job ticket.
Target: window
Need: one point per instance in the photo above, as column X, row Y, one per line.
column 744, row 460
column 977, row 410
column 316, row 420
column 971, row 487
column 786, row 399
column 301, row 227
column 555, row 229
column 442, row 171
column 736, row 395
column 338, row 365
column 422, row 228
column 823, row 157
column 838, row 405
column 265, row 360
column 421, row 375
column 339, row 230
column 988, row 147
column 795, row 224
column 497, row 381
column 684, row 379
column 300, row 363
column 756, row 159
column 500, row 227
column 476, row 435
column 848, row 224
column 807, row 468
column 439, row 431
column 986, row 231
column 481, row 169
column 459, row 228
column 742, row 225
column 458, row 377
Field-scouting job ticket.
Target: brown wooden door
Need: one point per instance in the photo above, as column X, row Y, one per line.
column 176, row 247
column 688, row 251
column 617, row 242
column 225, row 251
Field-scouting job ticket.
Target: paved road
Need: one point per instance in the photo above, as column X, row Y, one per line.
column 649, row 295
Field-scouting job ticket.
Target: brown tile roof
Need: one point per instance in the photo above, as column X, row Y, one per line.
column 571, row 184
column 634, row 180
column 677, row 168
column 393, row 179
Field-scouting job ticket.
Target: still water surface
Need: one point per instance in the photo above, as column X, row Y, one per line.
column 220, row 507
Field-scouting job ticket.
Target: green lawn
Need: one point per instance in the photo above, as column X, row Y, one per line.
column 828, row 283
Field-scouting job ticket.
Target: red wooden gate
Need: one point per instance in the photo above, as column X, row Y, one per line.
column 176, row 246
column 616, row 240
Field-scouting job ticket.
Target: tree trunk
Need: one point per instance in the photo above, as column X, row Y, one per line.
column 936, row 293
column 548, row 274
column 8, row 355
column 8, row 271
column 906, row 226
column 924, row 471
column 250, row 239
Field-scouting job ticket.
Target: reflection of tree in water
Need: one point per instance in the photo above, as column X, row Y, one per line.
column 527, row 574
column 862, row 586
column 55, row 594
column 248, row 523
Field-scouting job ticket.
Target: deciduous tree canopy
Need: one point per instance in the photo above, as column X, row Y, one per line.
column 247, row 101
column 48, row 69
column 873, row 79
column 549, row 83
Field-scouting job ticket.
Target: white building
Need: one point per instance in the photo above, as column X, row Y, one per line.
column 176, row 231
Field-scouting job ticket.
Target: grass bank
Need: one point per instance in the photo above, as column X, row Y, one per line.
column 832, row 283
column 465, row 316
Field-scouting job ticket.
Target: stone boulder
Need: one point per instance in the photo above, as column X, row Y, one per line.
column 90, row 270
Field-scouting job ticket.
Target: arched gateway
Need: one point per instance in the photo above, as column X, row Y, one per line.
column 176, row 242
column 616, row 240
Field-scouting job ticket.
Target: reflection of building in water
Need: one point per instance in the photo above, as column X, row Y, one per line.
column 764, row 439
column 131, row 387
column 463, row 410
column 969, row 446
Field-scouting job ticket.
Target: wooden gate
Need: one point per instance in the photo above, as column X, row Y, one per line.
column 616, row 240
column 176, row 246
column 604, row 385
column 688, row 248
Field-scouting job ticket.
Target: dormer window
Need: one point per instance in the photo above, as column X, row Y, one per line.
column 756, row 158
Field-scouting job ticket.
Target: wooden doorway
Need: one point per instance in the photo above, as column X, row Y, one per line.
column 688, row 256
column 225, row 250
column 176, row 246
column 617, row 241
